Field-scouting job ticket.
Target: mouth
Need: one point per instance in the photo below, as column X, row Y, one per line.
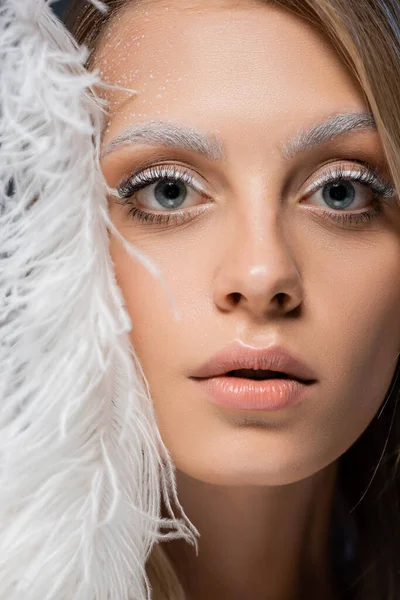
column 246, row 362
column 260, row 375
column 256, row 374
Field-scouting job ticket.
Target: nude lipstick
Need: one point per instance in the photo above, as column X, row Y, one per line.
column 249, row 378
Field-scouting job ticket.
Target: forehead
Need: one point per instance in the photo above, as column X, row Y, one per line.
column 241, row 64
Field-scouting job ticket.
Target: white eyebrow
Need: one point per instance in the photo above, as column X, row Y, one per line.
column 327, row 130
column 161, row 133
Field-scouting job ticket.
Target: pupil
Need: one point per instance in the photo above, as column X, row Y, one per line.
column 171, row 190
column 167, row 192
column 335, row 193
column 338, row 192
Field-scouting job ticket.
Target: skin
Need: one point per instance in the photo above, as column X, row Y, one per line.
column 260, row 492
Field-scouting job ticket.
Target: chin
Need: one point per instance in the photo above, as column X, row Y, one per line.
column 240, row 471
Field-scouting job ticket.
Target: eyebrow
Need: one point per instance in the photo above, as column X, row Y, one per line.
column 327, row 130
column 171, row 135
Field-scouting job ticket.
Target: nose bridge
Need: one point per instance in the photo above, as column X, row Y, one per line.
column 257, row 265
column 265, row 254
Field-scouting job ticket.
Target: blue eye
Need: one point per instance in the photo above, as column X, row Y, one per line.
column 171, row 187
column 166, row 187
column 339, row 191
column 170, row 193
column 341, row 194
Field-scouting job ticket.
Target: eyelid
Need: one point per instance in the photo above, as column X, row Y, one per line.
column 367, row 176
column 161, row 171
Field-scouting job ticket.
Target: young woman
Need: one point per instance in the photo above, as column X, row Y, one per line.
column 256, row 164
column 267, row 239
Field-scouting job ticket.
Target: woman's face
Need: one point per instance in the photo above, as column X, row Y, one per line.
column 254, row 259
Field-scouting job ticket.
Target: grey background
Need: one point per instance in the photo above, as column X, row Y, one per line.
column 59, row 6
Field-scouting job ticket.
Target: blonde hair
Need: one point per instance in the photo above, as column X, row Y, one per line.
column 366, row 36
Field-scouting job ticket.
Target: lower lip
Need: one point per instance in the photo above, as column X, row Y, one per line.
column 251, row 394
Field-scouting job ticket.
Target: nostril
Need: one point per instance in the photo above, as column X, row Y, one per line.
column 235, row 297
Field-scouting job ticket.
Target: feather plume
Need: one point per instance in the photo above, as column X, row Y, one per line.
column 82, row 464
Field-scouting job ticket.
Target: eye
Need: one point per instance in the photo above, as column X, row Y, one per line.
column 165, row 193
column 341, row 188
column 162, row 187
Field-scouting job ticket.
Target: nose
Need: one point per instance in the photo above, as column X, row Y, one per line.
column 256, row 270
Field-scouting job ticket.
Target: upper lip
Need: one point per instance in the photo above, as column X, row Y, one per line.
column 236, row 356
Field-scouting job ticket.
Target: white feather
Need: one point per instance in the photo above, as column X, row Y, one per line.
column 82, row 463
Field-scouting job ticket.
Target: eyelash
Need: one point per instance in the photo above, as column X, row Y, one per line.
column 369, row 178
column 382, row 191
column 153, row 174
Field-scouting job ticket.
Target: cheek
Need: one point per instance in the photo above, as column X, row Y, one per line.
column 354, row 307
column 143, row 296
column 157, row 337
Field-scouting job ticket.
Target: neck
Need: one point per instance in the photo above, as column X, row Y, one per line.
column 257, row 542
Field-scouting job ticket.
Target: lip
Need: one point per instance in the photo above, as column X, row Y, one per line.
column 238, row 356
column 248, row 394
